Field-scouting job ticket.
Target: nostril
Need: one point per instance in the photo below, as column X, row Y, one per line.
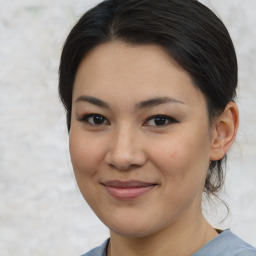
column 124, row 167
column 124, row 153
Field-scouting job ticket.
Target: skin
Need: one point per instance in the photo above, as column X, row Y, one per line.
column 128, row 144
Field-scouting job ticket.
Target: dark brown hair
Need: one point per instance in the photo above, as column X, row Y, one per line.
column 187, row 30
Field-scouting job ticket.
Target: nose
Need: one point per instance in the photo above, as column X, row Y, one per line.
column 126, row 150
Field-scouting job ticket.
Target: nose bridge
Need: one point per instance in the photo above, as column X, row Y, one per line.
column 123, row 137
column 126, row 149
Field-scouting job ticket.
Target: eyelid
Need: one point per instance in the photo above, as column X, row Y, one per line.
column 169, row 118
column 85, row 118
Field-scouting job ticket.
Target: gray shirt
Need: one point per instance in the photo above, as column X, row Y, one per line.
column 225, row 244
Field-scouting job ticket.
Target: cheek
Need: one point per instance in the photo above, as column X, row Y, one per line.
column 183, row 158
column 84, row 153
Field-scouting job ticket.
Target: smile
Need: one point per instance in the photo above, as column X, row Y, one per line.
column 127, row 190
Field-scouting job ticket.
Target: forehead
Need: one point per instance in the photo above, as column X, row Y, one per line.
column 133, row 72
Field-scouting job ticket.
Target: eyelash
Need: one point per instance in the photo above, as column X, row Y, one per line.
column 169, row 120
column 85, row 118
column 164, row 117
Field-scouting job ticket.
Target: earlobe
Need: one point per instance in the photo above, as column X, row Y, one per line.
column 224, row 131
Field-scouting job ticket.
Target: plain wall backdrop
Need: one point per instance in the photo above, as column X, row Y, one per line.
column 41, row 209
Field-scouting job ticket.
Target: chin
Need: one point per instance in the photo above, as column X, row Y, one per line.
column 132, row 232
column 135, row 229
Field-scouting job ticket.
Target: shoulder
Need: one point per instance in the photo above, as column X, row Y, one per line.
column 98, row 251
column 226, row 244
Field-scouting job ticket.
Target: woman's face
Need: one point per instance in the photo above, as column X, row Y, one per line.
column 140, row 139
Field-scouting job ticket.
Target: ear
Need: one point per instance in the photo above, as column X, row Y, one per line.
column 224, row 131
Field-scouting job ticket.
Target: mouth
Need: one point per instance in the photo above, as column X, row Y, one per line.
column 126, row 190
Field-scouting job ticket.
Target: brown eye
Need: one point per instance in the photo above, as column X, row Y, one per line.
column 95, row 119
column 160, row 120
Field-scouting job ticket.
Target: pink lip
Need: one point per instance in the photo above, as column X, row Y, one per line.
column 128, row 189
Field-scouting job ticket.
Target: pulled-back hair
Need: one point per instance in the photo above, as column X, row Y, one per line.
column 187, row 30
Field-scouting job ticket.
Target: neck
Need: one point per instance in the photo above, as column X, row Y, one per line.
column 179, row 239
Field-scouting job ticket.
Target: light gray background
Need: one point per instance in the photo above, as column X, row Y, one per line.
column 41, row 209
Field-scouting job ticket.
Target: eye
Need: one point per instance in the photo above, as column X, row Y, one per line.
column 95, row 119
column 160, row 120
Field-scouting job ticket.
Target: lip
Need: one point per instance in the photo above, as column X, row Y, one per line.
column 126, row 190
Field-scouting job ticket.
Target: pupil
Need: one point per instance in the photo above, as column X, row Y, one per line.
column 98, row 119
column 160, row 120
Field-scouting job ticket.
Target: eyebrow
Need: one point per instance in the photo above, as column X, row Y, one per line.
column 144, row 104
column 93, row 100
column 157, row 101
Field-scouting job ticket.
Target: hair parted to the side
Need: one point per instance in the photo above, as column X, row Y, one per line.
column 186, row 29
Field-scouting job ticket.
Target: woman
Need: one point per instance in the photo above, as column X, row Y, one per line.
column 149, row 90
